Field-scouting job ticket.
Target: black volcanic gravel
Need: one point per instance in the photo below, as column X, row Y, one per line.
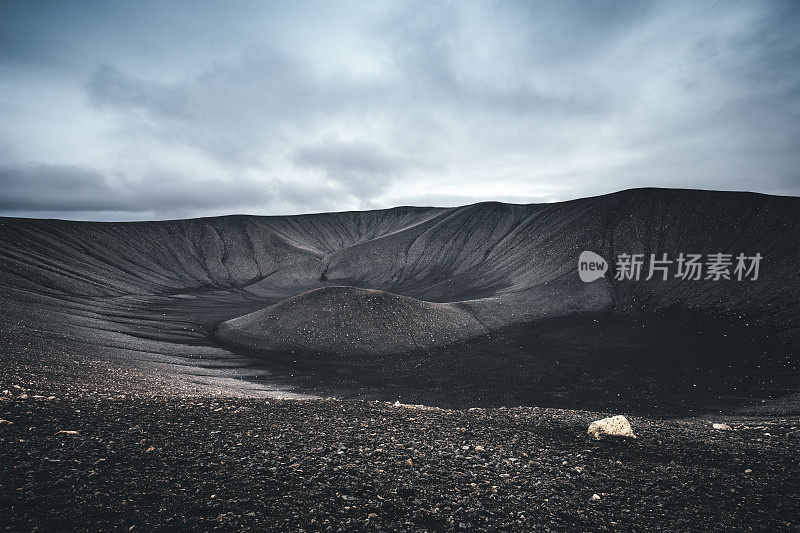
column 166, row 462
column 121, row 410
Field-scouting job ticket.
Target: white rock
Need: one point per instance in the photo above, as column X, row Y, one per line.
column 596, row 497
column 615, row 426
column 722, row 427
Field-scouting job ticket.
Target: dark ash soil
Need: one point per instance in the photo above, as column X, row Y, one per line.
column 171, row 459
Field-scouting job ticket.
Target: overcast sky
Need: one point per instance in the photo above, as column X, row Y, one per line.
column 139, row 110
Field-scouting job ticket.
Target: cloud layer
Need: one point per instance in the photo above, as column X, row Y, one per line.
column 149, row 110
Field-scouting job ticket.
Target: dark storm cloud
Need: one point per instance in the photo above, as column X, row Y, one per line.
column 269, row 108
column 233, row 112
column 54, row 187
column 68, row 188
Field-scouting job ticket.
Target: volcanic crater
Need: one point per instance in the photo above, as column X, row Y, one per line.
column 473, row 305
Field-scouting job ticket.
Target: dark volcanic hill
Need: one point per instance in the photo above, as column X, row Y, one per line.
column 479, row 304
column 347, row 320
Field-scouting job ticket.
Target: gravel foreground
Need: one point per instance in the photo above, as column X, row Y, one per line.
column 93, row 445
column 81, row 460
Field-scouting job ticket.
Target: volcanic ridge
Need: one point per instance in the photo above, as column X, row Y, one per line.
column 473, row 305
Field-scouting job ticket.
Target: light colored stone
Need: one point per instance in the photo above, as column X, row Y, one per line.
column 617, row 426
column 722, row 427
column 595, row 497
